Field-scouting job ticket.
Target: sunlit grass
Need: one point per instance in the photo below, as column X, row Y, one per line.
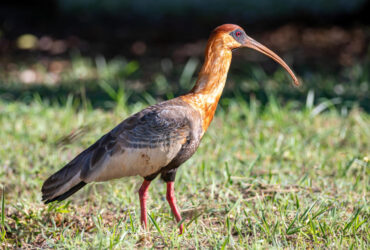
column 268, row 173
column 271, row 176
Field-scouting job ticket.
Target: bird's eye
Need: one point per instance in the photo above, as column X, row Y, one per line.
column 238, row 35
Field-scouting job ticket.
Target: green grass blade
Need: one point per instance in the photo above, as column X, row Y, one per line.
column 155, row 224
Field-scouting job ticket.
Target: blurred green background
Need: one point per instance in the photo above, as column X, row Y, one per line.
column 155, row 48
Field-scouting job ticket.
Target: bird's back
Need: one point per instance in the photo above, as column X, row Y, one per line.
column 158, row 137
column 144, row 143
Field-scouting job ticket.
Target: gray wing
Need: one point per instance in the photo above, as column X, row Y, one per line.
column 141, row 145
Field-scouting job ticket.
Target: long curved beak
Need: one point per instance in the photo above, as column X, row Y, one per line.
column 253, row 44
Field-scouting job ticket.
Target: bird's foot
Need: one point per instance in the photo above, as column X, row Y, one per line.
column 181, row 228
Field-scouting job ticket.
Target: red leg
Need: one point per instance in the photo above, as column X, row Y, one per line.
column 143, row 195
column 172, row 201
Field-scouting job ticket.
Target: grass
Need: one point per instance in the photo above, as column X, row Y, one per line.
column 268, row 175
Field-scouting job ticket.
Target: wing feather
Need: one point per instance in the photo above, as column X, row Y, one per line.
column 140, row 145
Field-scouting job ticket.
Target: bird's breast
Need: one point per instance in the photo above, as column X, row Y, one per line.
column 206, row 105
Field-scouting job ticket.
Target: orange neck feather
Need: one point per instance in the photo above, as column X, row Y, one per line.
column 211, row 80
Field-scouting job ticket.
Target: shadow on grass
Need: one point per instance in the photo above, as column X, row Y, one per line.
column 92, row 93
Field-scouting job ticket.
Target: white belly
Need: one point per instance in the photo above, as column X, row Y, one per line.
column 135, row 161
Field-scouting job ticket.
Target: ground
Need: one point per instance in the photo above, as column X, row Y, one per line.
column 270, row 172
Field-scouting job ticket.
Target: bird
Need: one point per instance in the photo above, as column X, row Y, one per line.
column 160, row 138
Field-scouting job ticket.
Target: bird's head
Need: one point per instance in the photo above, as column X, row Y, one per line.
column 231, row 36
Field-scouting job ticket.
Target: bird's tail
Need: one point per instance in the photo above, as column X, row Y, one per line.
column 65, row 182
